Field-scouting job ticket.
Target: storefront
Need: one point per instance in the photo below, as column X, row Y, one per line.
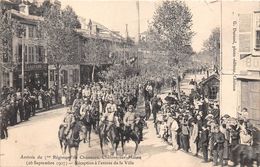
column 35, row 76
column 69, row 75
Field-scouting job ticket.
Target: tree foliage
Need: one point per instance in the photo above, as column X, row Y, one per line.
column 119, row 71
column 58, row 29
column 8, row 28
column 212, row 45
column 170, row 30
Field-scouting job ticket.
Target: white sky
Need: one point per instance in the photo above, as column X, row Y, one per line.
column 117, row 13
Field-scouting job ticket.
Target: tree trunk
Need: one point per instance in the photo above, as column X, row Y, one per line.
column 178, row 85
column 93, row 73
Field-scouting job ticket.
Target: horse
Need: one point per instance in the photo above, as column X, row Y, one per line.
column 134, row 135
column 78, row 134
column 94, row 118
column 87, row 121
column 114, row 136
column 245, row 155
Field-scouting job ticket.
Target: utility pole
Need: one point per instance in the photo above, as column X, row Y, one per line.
column 139, row 36
column 22, row 63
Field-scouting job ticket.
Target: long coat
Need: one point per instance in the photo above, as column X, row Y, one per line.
column 193, row 138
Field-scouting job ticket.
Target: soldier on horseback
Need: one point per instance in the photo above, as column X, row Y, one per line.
column 68, row 123
column 129, row 121
column 77, row 105
column 85, row 110
column 109, row 116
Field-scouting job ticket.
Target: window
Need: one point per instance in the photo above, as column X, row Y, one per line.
column 257, row 43
column 75, row 75
column 64, row 77
column 52, row 73
column 213, row 92
column 31, row 31
column 31, row 54
column 20, row 53
column 41, row 53
column 257, row 31
column 25, row 54
column 37, row 53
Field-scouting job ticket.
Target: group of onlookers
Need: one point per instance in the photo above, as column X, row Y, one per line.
column 193, row 124
column 16, row 107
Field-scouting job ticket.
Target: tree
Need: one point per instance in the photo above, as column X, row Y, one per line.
column 212, row 46
column 171, row 31
column 96, row 53
column 171, row 24
column 58, row 29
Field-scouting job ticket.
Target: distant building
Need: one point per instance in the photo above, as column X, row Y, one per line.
column 210, row 87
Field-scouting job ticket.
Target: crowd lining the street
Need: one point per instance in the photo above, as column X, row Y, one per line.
column 193, row 124
column 190, row 122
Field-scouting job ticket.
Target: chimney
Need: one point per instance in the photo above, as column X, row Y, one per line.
column 23, row 8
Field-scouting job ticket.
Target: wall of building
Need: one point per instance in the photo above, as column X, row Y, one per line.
column 233, row 66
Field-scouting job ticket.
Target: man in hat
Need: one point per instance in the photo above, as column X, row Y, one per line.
column 129, row 120
column 68, row 123
column 77, row 104
column 204, row 142
column 108, row 117
column 174, row 127
column 243, row 114
column 218, row 140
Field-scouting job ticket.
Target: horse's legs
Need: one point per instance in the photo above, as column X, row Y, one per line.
column 69, row 153
column 76, row 155
column 101, row 145
column 136, row 146
column 61, row 145
column 117, row 143
column 89, row 133
column 65, row 148
column 122, row 145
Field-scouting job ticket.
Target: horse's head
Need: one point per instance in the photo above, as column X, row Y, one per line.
column 82, row 130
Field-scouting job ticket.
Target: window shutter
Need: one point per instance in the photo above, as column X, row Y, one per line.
column 245, row 35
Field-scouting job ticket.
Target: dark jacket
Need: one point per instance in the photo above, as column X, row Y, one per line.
column 218, row 140
column 204, row 139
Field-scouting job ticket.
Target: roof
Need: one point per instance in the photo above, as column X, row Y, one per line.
column 90, row 27
column 213, row 76
column 7, row 1
column 26, row 17
column 102, row 35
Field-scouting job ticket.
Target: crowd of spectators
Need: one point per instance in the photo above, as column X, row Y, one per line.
column 193, row 124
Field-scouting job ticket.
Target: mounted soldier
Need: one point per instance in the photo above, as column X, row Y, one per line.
column 77, row 104
column 68, row 123
column 109, row 116
column 130, row 119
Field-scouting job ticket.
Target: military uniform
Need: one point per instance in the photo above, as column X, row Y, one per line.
column 67, row 124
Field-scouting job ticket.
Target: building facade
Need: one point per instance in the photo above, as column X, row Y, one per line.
column 99, row 48
column 32, row 46
column 240, row 65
